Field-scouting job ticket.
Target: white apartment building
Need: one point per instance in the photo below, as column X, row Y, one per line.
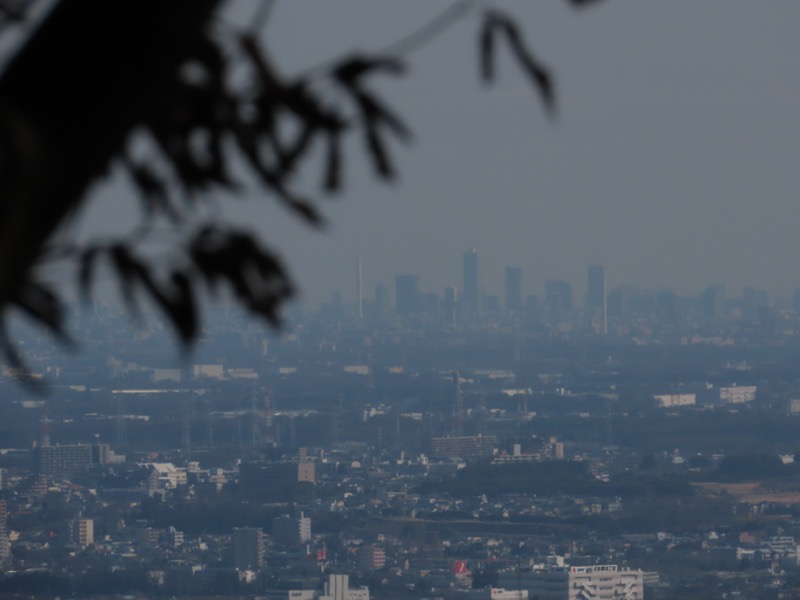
column 597, row 582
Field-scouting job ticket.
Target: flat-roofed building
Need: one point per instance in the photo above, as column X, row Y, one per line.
column 466, row 447
column 338, row 588
column 291, row 530
column 598, row 582
column 82, row 532
column 737, row 394
column 248, row 548
column 672, row 400
column 306, row 471
column 63, row 461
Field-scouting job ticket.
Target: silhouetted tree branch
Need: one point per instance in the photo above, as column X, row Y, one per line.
column 94, row 72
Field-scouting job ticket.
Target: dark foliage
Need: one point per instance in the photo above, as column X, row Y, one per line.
column 193, row 121
column 557, row 477
column 536, row 478
column 744, row 467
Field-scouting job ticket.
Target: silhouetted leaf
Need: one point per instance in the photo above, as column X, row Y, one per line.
column 17, row 363
column 41, row 304
column 177, row 302
column 87, row 259
column 538, row 74
column 254, row 274
column 183, row 307
column 152, row 189
column 580, row 3
column 333, row 162
column 378, row 153
column 377, row 112
column 128, row 275
column 13, row 10
column 287, row 159
column 307, row 211
column 486, row 48
column 352, row 69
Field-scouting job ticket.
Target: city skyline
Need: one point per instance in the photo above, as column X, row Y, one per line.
column 671, row 162
column 403, row 287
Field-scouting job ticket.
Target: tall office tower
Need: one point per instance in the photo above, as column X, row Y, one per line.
column 513, row 288
column 450, row 303
column 469, row 295
column 5, row 543
column 753, row 302
column 406, row 294
column 558, row 297
column 458, row 406
column 291, row 531
column 359, row 291
column 381, row 305
column 248, row 548
column 596, row 299
column 712, row 303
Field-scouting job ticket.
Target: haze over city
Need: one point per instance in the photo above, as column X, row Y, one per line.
column 672, row 159
column 555, row 359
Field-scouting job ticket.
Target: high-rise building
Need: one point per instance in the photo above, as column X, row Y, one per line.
column 450, row 303
column 596, row 299
column 513, row 288
column 753, row 301
column 558, row 297
column 63, row 461
column 248, row 548
column 359, row 291
column 174, row 537
column 466, row 447
column 5, row 543
column 470, row 291
column 291, row 530
column 338, row 588
column 712, row 303
column 380, row 307
column 406, row 294
column 372, row 557
column 82, row 532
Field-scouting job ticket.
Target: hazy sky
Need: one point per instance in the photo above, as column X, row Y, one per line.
column 674, row 161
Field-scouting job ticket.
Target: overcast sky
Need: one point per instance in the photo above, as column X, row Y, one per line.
column 674, row 161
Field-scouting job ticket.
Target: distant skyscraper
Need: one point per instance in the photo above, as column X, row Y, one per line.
column 558, row 297
column 248, row 548
column 291, row 530
column 359, row 291
column 406, row 294
column 513, row 288
column 596, row 298
column 712, row 302
column 5, row 544
column 449, row 304
column 469, row 296
column 381, row 305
